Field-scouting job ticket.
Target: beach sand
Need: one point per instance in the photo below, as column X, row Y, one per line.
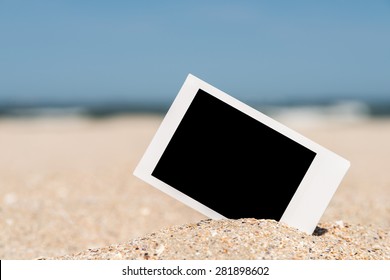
column 67, row 192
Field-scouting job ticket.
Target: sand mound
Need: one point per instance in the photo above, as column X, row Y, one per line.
column 66, row 185
column 249, row 239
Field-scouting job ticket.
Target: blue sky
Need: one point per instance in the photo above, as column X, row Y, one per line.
column 92, row 50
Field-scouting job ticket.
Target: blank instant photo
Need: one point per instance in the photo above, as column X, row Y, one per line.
column 228, row 160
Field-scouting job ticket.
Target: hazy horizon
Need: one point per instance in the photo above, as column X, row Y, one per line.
column 141, row 52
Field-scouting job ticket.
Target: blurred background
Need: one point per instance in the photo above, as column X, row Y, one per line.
column 84, row 86
column 102, row 57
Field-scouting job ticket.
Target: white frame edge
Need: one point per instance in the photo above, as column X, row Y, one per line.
column 313, row 194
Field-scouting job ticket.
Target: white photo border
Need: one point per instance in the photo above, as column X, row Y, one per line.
column 311, row 197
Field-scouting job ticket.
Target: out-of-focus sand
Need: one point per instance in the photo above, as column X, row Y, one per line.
column 66, row 184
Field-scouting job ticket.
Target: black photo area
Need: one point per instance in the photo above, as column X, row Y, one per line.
column 231, row 162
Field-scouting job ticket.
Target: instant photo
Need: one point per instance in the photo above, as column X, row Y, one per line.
column 228, row 160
